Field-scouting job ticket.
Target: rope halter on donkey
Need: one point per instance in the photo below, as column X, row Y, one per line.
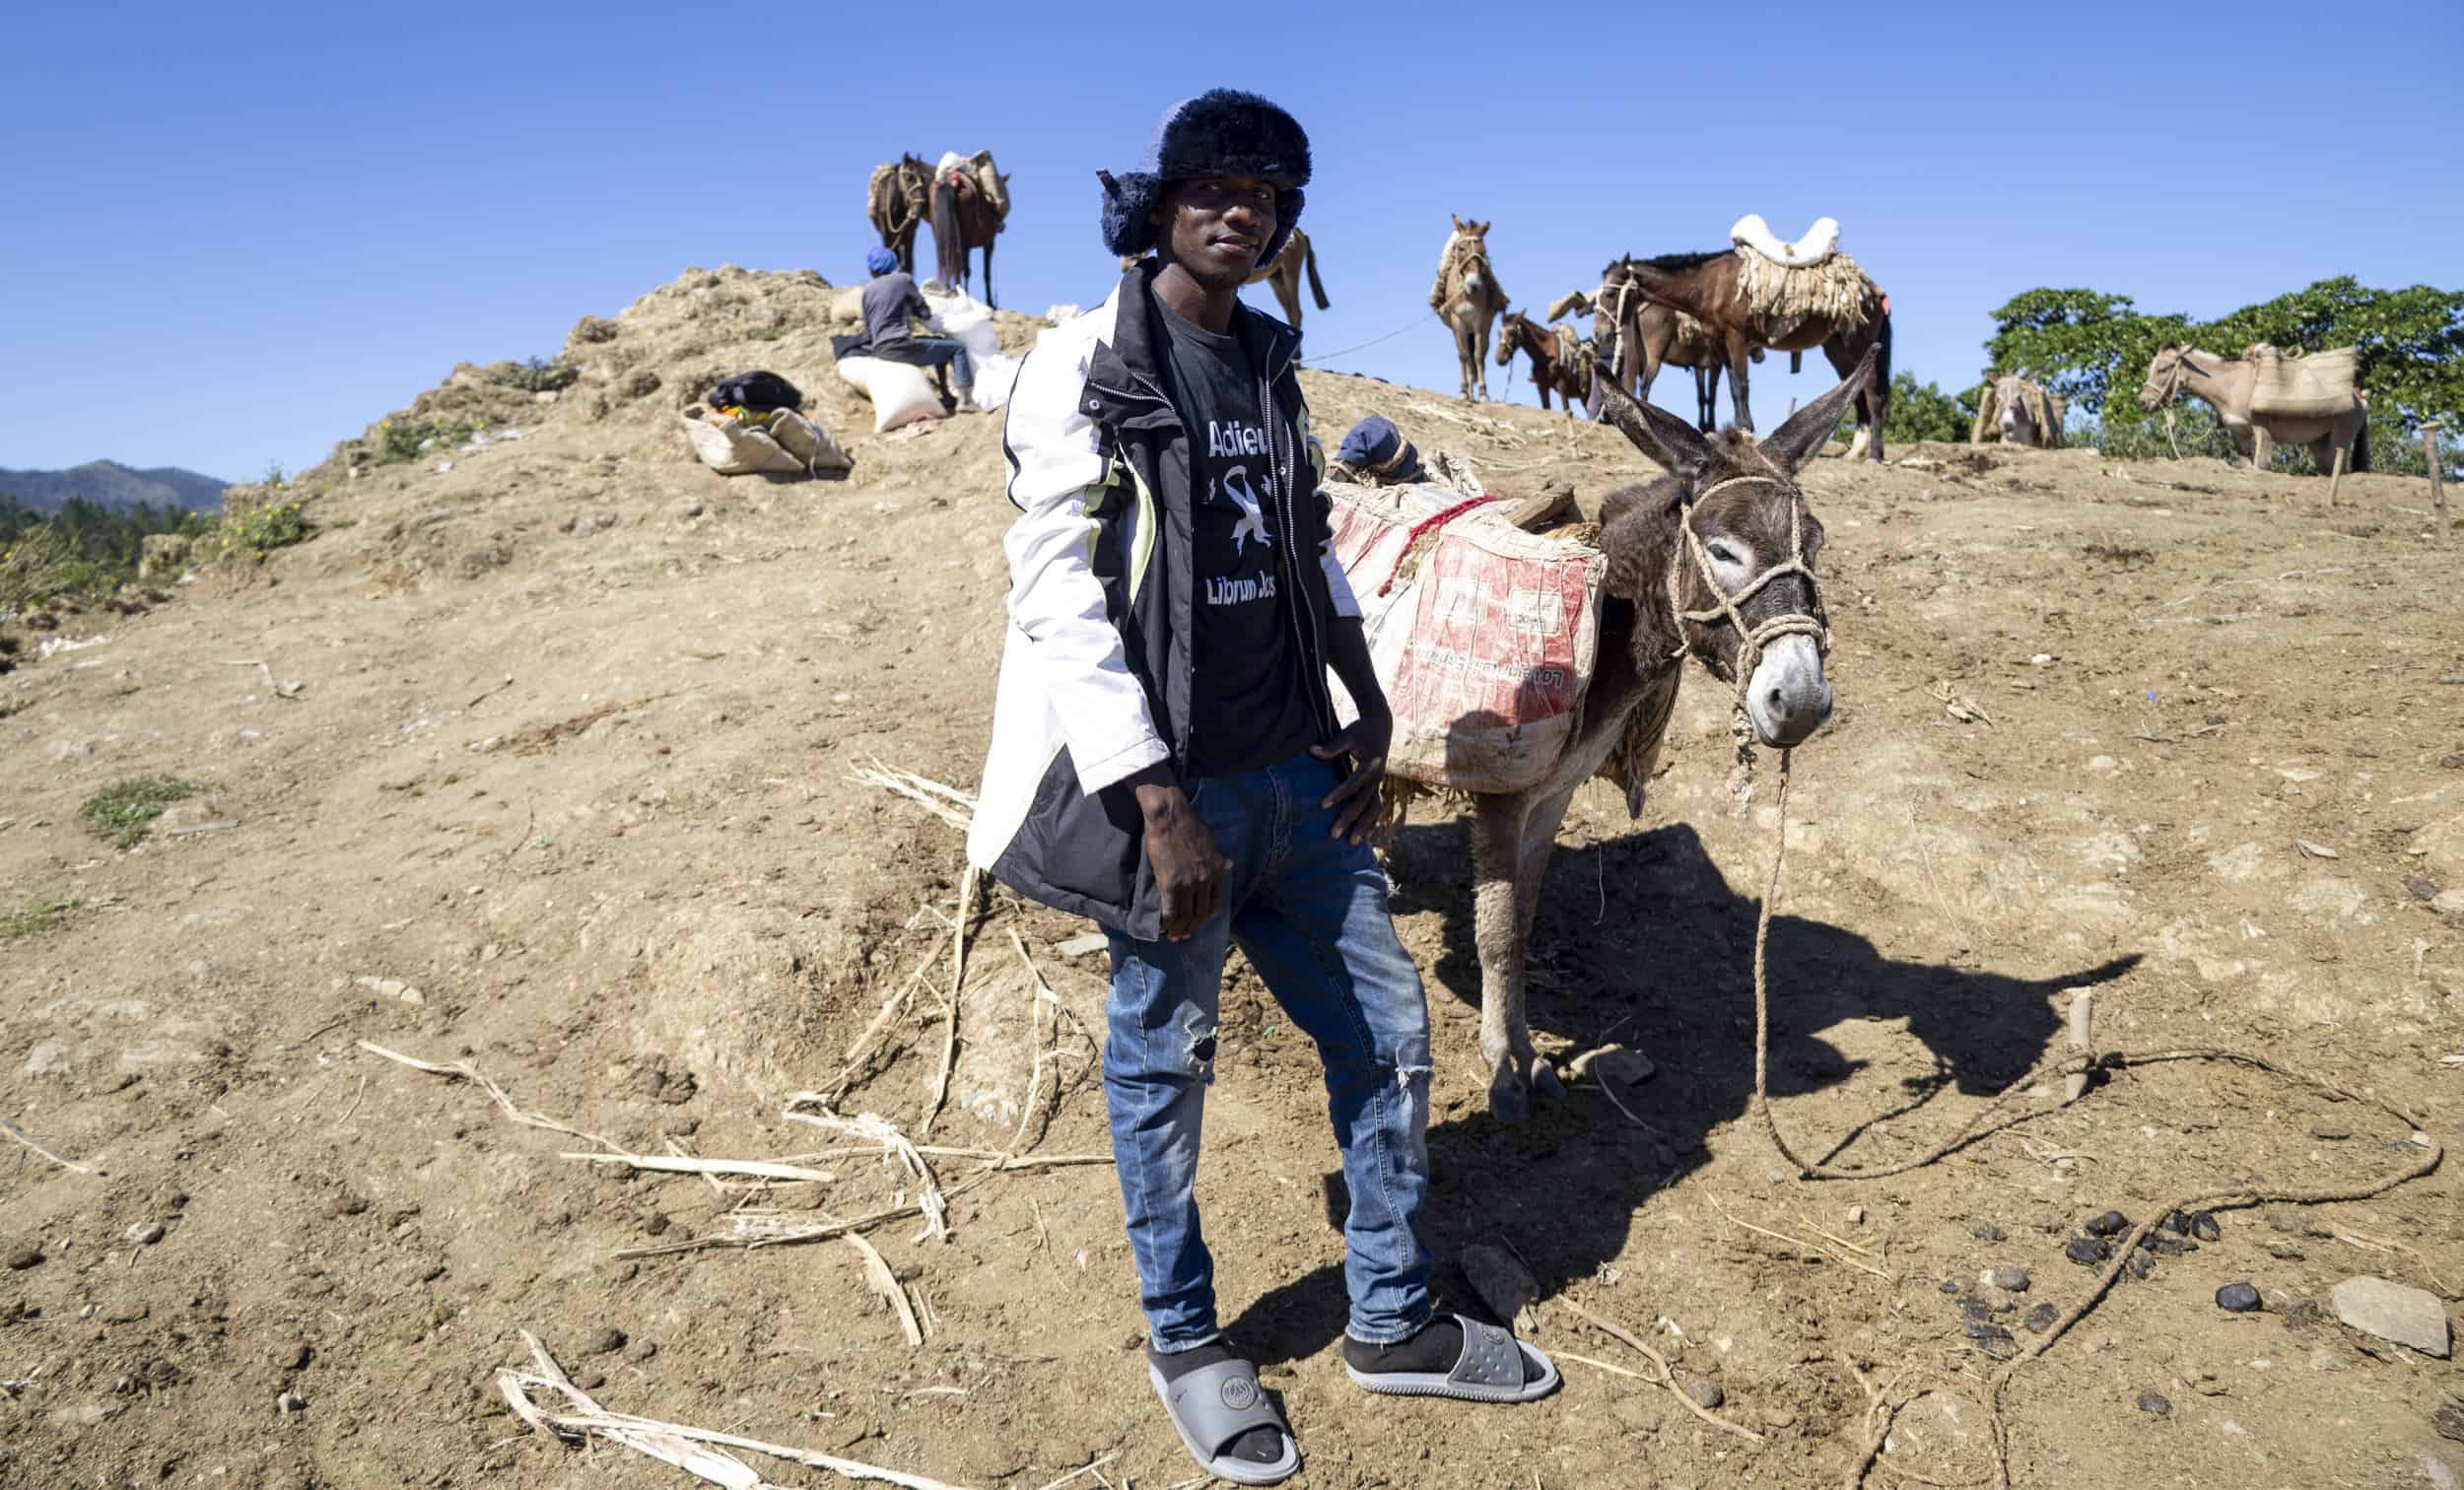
column 1751, row 640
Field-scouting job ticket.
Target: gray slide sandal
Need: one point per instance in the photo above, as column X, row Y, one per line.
column 1215, row 1405
column 1494, row 1367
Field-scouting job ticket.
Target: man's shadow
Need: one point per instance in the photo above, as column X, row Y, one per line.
column 1642, row 941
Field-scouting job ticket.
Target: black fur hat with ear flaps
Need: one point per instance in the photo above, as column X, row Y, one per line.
column 1222, row 132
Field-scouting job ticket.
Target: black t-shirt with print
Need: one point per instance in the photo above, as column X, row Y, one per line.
column 1248, row 709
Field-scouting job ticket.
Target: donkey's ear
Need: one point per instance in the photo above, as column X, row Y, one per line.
column 1809, row 428
column 1672, row 441
column 1458, row 220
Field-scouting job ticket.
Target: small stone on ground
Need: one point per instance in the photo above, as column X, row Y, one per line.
column 2238, row 1298
column 2394, row 1312
column 2156, row 1403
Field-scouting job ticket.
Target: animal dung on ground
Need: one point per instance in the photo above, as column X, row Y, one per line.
column 2012, row 1279
column 2155, row 1404
column 2394, row 1312
column 1504, row 1284
column 2089, row 1251
column 2111, row 1224
column 2238, row 1298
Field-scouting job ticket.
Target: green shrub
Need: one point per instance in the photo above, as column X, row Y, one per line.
column 43, row 565
column 258, row 530
column 410, row 438
column 1919, row 411
column 34, row 918
column 123, row 813
column 537, row 376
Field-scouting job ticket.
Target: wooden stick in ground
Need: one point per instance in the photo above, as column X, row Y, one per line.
column 19, row 1134
column 958, row 976
column 1668, row 1378
column 2437, row 457
column 2336, row 482
column 2082, row 1034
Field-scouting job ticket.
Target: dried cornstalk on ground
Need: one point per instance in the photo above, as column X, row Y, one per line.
column 466, row 1071
column 884, row 1282
column 698, row 1451
column 948, row 803
column 873, row 1127
column 20, row 1134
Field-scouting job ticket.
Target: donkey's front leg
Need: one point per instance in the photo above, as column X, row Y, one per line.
column 1496, row 923
column 1539, row 841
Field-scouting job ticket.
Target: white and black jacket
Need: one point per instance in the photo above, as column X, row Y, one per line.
column 1096, row 669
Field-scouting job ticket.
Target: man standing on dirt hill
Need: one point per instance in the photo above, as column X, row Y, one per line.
column 890, row 298
column 1166, row 760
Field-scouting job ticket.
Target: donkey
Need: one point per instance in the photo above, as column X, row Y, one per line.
column 1712, row 560
column 1467, row 298
column 894, row 202
column 963, row 218
column 1557, row 361
column 2225, row 384
column 1706, row 286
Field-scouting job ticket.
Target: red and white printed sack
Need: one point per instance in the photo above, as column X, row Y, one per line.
column 1485, row 636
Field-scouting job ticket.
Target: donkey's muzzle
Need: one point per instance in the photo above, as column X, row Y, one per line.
column 1789, row 697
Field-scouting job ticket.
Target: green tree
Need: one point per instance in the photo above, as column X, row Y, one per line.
column 2095, row 348
column 2080, row 343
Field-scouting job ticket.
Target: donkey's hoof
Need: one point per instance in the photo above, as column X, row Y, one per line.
column 1544, row 1082
column 1509, row 1099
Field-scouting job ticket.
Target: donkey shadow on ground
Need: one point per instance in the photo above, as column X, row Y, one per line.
column 1642, row 940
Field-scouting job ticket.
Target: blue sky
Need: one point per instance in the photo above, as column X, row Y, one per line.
column 246, row 231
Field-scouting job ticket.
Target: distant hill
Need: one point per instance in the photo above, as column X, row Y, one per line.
column 111, row 483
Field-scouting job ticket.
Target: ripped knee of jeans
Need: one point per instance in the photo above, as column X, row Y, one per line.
column 1413, row 1075
column 1193, row 1044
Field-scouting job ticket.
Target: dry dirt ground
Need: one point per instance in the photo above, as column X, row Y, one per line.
column 565, row 791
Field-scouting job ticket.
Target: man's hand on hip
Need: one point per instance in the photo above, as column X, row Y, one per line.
column 1365, row 742
column 1190, row 871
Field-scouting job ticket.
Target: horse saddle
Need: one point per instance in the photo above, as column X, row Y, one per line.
column 1820, row 242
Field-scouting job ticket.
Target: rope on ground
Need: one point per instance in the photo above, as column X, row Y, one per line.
column 2081, row 1065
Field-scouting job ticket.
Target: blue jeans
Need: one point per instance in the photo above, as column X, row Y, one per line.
column 932, row 352
column 1310, row 913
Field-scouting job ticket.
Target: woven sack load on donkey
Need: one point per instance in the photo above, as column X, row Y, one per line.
column 2291, row 386
column 1485, row 636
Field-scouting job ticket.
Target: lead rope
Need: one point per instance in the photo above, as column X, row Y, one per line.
column 1883, row 1413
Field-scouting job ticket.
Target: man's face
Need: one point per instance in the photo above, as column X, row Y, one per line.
column 1215, row 225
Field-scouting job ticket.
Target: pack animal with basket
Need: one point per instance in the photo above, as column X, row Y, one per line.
column 1519, row 667
column 2268, row 397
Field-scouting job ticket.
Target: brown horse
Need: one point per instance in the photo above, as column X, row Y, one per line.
column 1467, row 298
column 1639, row 338
column 1557, row 361
column 1708, row 286
column 964, row 217
column 1284, row 274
